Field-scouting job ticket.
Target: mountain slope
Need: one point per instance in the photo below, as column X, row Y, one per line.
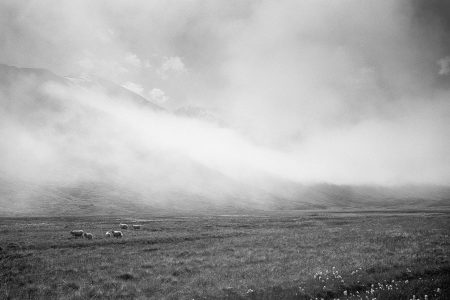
column 84, row 146
column 77, row 146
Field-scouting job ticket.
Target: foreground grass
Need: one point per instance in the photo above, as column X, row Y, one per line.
column 279, row 256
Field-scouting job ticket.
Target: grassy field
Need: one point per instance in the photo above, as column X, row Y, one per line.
column 295, row 255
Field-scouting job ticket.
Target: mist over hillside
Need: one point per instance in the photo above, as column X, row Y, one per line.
column 95, row 141
column 89, row 146
column 223, row 105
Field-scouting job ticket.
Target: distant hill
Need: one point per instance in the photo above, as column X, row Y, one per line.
column 90, row 198
column 63, row 151
column 330, row 196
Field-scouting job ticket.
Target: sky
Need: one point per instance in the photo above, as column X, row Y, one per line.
column 337, row 91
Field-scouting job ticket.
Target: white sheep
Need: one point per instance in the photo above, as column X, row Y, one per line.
column 136, row 226
column 117, row 234
column 123, row 226
column 108, row 234
column 88, row 235
column 77, row 233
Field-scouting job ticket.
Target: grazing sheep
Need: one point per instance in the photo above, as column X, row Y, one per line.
column 108, row 234
column 136, row 226
column 77, row 233
column 117, row 234
column 123, row 226
column 88, row 235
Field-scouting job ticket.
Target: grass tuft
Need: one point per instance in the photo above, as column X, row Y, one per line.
column 126, row 276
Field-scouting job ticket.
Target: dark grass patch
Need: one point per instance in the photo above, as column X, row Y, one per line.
column 378, row 269
column 72, row 286
column 150, row 291
column 147, row 266
column 150, row 249
column 339, row 222
column 184, row 254
column 299, row 225
column 126, row 276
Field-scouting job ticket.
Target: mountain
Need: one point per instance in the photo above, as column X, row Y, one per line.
column 331, row 196
column 100, row 198
column 87, row 146
column 200, row 113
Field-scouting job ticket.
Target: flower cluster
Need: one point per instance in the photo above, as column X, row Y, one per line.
column 354, row 286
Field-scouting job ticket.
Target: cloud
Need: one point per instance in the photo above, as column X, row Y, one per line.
column 101, row 68
column 171, row 65
column 134, row 87
column 133, row 60
column 158, row 96
column 444, row 65
column 100, row 137
column 329, row 87
column 147, row 64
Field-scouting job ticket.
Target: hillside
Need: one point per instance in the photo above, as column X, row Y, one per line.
column 87, row 146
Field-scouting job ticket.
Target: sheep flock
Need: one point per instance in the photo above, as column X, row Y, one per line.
column 79, row 233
